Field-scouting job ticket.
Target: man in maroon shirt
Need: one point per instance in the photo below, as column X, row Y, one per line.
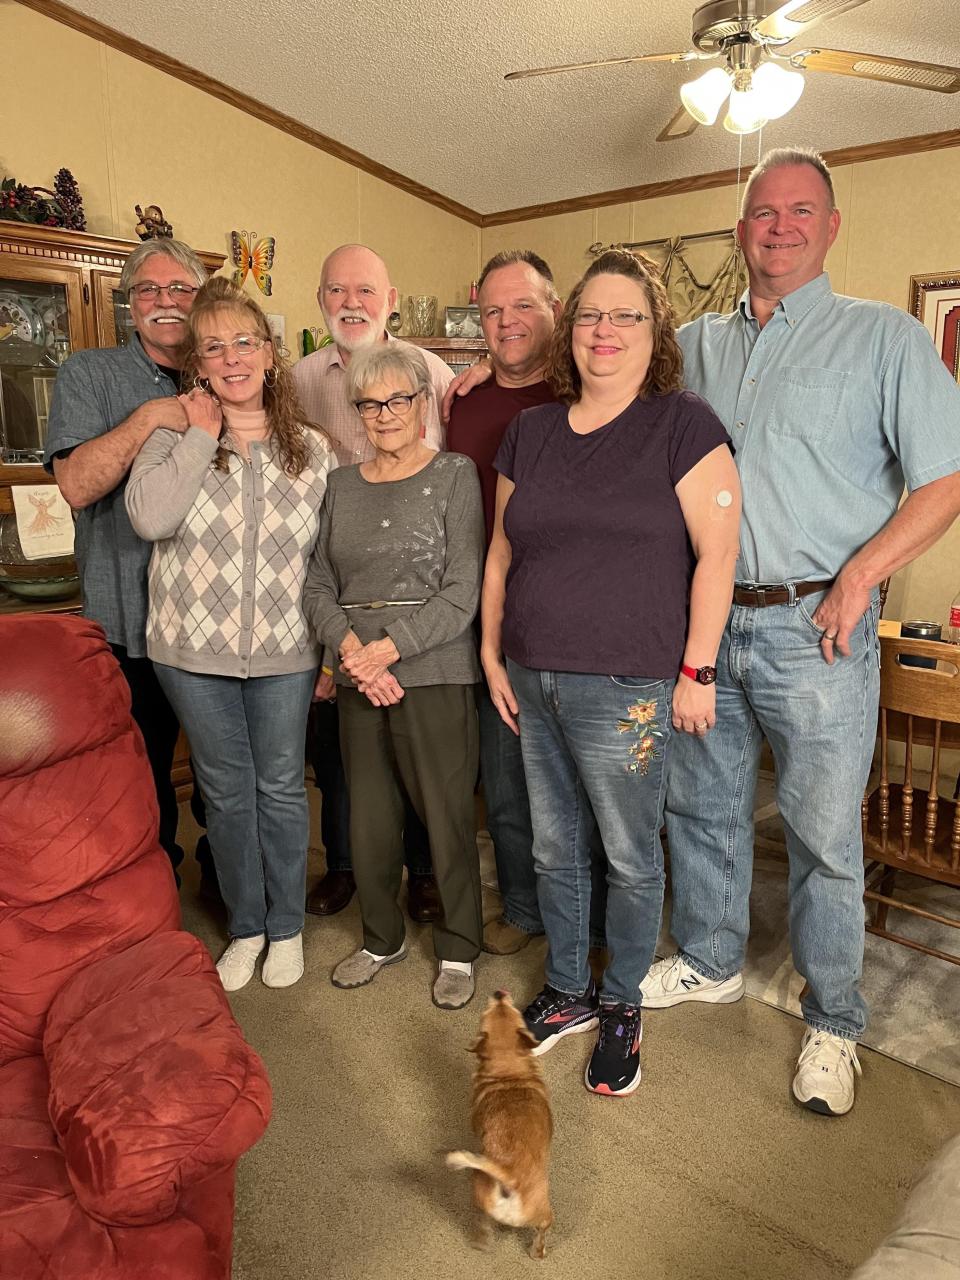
column 518, row 310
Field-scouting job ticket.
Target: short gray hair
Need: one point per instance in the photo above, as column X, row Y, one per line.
column 782, row 157
column 376, row 363
column 175, row 249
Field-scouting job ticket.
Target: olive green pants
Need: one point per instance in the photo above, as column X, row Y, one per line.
column 426, row 745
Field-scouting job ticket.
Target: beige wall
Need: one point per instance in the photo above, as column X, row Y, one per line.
column 133, row 135
column 899, row 219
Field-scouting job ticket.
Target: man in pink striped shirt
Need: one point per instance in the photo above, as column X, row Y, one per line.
column 356, row 296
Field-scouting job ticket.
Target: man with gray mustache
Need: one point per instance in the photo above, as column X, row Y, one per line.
column 106, row 403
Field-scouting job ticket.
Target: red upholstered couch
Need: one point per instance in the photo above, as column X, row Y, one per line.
column 127, row 1091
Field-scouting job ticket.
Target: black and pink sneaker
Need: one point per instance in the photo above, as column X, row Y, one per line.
column 614, row 1068
column 554, row 1014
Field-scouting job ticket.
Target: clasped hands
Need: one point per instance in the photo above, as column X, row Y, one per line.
column 367, row 665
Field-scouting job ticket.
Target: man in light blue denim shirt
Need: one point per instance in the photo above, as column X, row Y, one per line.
column 835, row 406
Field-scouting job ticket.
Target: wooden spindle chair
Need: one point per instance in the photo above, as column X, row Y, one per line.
column 907, row 828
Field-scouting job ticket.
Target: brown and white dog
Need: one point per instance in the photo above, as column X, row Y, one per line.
column 510, row 1113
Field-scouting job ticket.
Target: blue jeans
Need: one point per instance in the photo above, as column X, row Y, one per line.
column 508, row 821
column 593, row 755
column 246, row 740
column 820, row 721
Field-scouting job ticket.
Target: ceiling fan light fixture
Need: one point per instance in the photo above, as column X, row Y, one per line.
column 778, row 90
column 745, row 113
column 704, row 96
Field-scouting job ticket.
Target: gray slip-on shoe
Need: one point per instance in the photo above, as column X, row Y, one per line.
column 360, row 967
column 453, row 989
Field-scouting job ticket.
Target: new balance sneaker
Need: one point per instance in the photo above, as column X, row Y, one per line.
column 826, row 1072
column 671, row 981
column 554, row 1014
column 614, row 1068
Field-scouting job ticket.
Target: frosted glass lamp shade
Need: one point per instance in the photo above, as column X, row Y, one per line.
column 704, row 96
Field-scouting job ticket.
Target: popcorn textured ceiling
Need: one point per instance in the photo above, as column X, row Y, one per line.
column 418, row 85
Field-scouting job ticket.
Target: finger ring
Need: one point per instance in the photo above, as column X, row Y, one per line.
column 701, row 724
column 831, row 636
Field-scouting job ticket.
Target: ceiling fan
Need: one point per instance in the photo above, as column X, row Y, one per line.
column 758, row 75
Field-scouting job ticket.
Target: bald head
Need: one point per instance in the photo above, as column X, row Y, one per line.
column 355, row 296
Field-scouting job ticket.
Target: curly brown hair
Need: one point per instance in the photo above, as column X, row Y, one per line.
column 285, row 417
column 665, row 373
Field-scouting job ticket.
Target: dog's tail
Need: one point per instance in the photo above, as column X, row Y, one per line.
column 483, row 1164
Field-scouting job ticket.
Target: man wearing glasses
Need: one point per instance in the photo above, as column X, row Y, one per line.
column 106, row 403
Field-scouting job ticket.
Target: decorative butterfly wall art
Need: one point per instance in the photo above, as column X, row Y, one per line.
column 254, row 257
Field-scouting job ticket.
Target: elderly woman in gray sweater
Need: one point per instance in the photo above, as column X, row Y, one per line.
column 393, row 588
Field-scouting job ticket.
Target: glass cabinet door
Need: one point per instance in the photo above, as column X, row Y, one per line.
column 41, row 324
column 114, row 318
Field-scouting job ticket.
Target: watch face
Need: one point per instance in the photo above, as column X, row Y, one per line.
column 707, row 675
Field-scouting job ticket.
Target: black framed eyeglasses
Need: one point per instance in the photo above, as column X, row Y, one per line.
column 397, row 404
column 147, row 289
column 620, row 318
column 245, row 345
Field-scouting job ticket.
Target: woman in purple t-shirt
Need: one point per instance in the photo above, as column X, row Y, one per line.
column 610, row 572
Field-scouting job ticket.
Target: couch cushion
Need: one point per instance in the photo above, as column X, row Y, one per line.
column 46, row 1235
column 81, row 870
column 152, row 1086
column 43, row 945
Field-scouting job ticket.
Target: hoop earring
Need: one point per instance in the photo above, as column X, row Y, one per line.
column 267, row 380
column 201, row 384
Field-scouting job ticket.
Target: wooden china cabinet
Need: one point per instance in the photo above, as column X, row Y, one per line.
column 58, row 294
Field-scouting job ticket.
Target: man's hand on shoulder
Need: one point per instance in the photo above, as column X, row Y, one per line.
column 464, row 383
column 165, row 411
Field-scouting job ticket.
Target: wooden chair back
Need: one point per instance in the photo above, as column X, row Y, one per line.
column 905, row 826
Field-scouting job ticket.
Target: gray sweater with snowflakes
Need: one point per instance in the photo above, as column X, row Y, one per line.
column 416, row 540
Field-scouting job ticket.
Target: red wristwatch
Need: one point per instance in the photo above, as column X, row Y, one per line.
column 702, row 675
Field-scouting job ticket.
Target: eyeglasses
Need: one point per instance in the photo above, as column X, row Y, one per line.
column 176, row 290
column 245, row 345
column 397, row 404
column 621, row 318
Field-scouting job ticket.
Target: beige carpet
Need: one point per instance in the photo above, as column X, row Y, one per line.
column 709, row 1171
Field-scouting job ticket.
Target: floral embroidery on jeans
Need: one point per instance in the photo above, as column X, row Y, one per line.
column 640, row 721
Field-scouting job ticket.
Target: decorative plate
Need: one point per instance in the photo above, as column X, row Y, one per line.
column 21, row 328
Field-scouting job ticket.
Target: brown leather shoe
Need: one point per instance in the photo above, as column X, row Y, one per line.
column 331, row 894
column 423, row 899
column 503, row 939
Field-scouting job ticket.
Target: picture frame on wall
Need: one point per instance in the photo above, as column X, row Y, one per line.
column 935, row 301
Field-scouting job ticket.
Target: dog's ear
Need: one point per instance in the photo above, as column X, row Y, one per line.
column 479, row 1044
column 526, row 1039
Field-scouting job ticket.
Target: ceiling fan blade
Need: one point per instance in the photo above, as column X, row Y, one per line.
column 877, row 66
column 679, row 126
column 794, row 16
column 689, row 56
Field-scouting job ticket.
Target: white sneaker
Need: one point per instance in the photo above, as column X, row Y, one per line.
column 671, row 981
column 284, row 963
column 237, row 964
column 826, row 1071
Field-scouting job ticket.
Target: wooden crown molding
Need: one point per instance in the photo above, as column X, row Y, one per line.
column 296, row 129
column 721, row 178
column 243, row 102
column 27, row 239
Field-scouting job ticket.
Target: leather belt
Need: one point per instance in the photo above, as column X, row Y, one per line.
column 381, row 604
column 759, row 597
